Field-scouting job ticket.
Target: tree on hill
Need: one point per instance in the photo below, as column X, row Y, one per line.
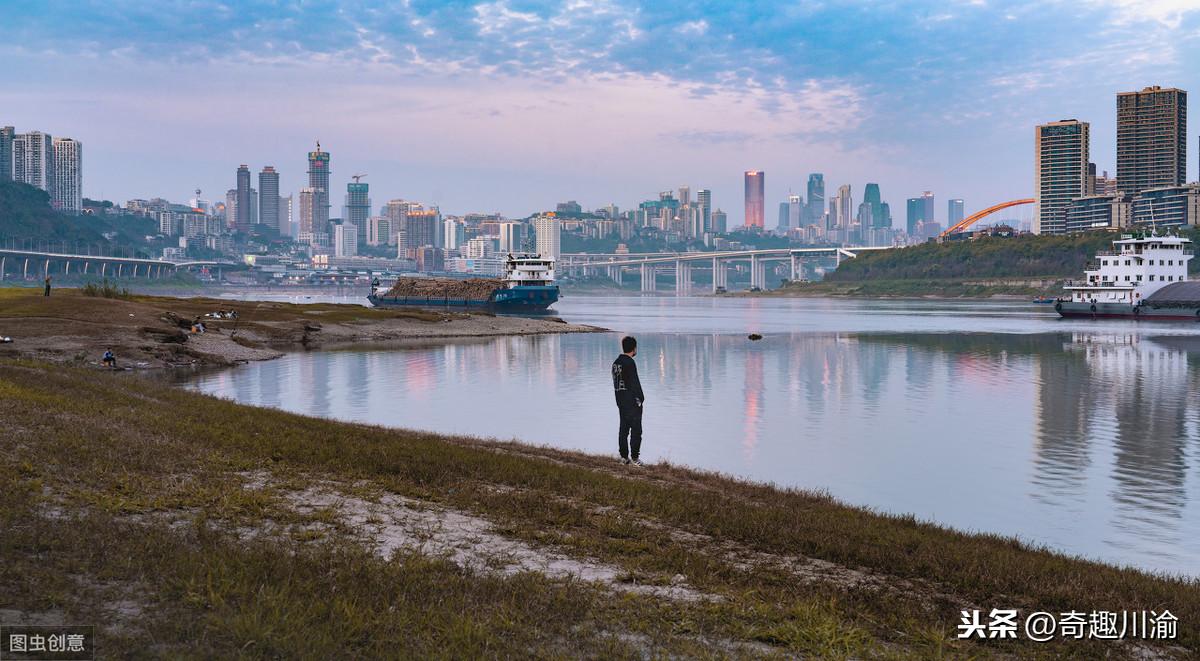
column 26, row 215
column 986, row 257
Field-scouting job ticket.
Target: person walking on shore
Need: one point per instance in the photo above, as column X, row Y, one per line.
column 628, row 390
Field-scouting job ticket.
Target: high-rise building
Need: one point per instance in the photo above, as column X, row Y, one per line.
column 685, row 196
column 873, row 213
column 842, row 207
column 795, row 211
column 241, row 220
column 358, row 208
column 287, row 216
column 720, row 222
column 915, row 215
column 230, row 208
column 548, row 231
column 454, row 233
column 268, row 199
column 785, row 210
column 33, row 160
column 755, row 199
column 511, row 236
column 306, row 212
column 421, row 228
column 1060, row 172
column 378, row 230
column 1151, row 139
column 7, row 133
column 318, row 181
column 816, row 199
column 954, row 212
column 396, row 212
column 345, row 239
column 704, row 201
column 68, row 175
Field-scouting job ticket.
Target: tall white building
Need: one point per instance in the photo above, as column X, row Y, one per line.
column 510, row 237
column 1060, row 172
column 67, row 193
column 843, row 207
column 33, row 160
column 549, row 233
column 345, row 239
column 795, row 206
column 454, row 233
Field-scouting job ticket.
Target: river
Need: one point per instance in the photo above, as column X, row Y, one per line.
column 1082, row 436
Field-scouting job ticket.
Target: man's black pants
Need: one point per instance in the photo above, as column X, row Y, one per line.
column 629, row 438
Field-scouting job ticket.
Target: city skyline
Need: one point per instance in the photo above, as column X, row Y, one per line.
column 425, row 100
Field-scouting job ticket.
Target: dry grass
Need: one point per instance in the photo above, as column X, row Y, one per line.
column 116, row 481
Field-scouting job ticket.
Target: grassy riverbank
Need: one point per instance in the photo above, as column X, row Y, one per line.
column 183, row 525
column 145, row 331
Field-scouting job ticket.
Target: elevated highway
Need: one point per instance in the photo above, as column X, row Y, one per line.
column 24, row 264
column 649, row 264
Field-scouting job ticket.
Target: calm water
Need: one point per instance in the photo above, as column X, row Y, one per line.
column 997, row 417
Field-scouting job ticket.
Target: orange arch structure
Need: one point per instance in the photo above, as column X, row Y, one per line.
column 975, row 217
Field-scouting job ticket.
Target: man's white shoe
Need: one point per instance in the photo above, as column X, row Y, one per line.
column 636, row 462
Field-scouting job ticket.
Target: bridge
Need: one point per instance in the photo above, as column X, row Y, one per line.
column 649, row 264
column 979, row 215
column 42, row 264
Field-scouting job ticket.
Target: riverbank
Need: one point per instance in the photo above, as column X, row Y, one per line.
column 152, row 331
column 976, row 288
column 176, row 522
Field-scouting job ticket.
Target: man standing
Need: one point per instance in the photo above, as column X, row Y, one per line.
column 628, row 390
column 47, row 293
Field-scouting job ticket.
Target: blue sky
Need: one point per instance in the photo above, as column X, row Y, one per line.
column 511, row 106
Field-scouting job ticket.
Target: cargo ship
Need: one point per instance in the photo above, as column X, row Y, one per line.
column 527, row 287
column 1144, row 276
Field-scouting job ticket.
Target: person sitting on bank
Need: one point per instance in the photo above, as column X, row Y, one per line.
column 109, row 360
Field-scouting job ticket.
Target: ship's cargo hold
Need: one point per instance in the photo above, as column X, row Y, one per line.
column 475, row 288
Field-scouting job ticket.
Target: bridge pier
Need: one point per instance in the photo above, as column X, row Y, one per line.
column 120, row 269
column 25, row 273
column 649, row 277
column 683, row 277
column 614, row 272
column 2, row 260
column 797, row 270
column 720, row 277
column 756, row 274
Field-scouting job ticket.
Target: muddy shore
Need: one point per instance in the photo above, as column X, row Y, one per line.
column 150, row 332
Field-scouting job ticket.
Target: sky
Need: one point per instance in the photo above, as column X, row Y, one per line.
column 512, row 106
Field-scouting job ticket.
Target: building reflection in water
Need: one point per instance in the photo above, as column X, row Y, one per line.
column 1079, row 441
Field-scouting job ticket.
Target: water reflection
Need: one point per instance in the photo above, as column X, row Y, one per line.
column 1079, row 440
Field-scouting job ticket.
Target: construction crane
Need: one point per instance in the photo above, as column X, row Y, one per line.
column 356, row 177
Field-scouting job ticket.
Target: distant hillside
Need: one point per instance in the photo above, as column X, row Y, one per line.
column 1023, row 256
column 25, row 213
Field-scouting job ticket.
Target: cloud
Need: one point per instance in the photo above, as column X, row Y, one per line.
column 1168, row 13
